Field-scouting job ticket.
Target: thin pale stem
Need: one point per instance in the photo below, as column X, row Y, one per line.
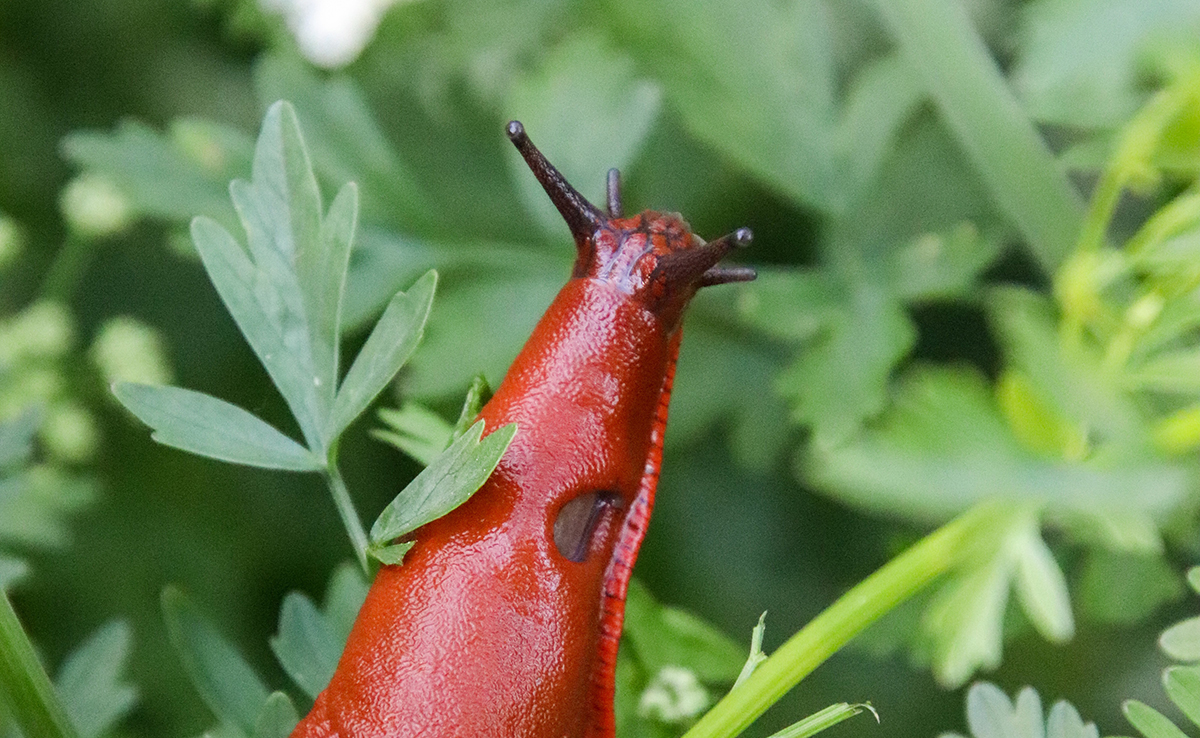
column 345, row 508
column 24, row 683
column 898, row 580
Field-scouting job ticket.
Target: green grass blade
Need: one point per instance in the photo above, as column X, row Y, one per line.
column 938, row 39
column 25, row 687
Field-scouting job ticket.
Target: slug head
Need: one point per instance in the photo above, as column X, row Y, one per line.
column 652, row 256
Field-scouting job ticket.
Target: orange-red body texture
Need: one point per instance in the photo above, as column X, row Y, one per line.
column 504, row 618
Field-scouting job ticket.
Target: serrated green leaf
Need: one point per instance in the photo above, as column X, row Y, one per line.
column 221, row 676
column 90, row 681
column 1182, row 640
column 305, row 644
column 589, row 110
column 16, row 437
column 1042, row 588
column 416, row 430
column 667, row 636
column 445, row 484
column 1150, row 722
column 278, row 717
column 202, row 424
column 389, row 346
column 1183, row 687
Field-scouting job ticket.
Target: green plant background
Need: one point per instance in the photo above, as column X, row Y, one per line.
column 855, row 138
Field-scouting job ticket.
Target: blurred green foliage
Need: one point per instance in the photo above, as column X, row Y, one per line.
column 939, row 320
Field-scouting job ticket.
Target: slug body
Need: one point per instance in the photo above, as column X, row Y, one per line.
column 504, row 618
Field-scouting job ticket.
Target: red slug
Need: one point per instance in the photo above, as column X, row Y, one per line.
column 504, row 618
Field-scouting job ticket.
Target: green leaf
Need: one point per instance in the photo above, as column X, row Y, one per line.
column 28, row 694
column 222, row 677
column 478, row 395
column 278, row 717
column 791, row 306
column 306, row 646
column 12, row 571
column 882, row 97
column 172, row 177
column 588, row 110
column 89, row 681
column 965, row 621
column 756, row 653
column 972, row 97
column 1193, row 579
column 1182, row 640
column 346, row 141
column 667, row 636
column 34, row 504
column 1183, row 687
column 416, row 430
column 205, row 425
column 1079, row 61
column 16, row 437
column 767, row 105
column 990, row 714
column 1042, row 588
column 392, row 554
column 344, row 597
column 942, row 446
column 445, row 484
column 1072, row 380
column 941, row 265
column 1150, row 722
column 842, row 378
column 389, row 346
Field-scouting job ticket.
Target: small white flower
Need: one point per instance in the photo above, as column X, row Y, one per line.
column 331, row 33
column 674, row 695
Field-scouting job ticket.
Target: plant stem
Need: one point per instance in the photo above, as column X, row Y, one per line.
column 898, row 580
column 937, row 37
column 24, row 683
column 345, row 508
column 67, row 269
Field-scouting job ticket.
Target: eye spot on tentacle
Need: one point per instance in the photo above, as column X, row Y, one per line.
column 577, row 521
